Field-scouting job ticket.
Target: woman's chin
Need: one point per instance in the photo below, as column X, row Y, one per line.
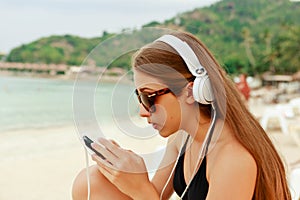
column 165, row 133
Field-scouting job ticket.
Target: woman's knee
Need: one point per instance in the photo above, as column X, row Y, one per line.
column 100, row 187
column 79, row 188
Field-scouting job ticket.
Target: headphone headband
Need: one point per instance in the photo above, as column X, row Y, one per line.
column 202, row 91
column 187, row 54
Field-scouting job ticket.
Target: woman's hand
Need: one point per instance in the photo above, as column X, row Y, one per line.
column 125, row 169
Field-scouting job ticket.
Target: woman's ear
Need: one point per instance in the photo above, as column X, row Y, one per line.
column 189, row 93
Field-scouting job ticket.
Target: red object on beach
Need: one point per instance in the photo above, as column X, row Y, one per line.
column 243, row 86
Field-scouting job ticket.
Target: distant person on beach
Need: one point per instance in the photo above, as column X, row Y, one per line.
column 244, row 88
column 181, row 86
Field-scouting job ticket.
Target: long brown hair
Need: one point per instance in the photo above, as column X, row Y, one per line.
column 271, row 180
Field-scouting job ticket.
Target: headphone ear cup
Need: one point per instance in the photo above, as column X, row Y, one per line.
column 202, row 90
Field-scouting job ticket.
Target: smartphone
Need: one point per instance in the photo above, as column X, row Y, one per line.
column 88, row 142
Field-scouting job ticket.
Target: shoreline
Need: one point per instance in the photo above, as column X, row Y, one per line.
column 73, row 77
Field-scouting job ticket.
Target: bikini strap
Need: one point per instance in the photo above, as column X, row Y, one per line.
column 184, row 145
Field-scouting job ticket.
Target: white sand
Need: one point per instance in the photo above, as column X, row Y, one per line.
column 39, row 164
column 42, row 163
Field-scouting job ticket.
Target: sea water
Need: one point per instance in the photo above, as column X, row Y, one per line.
column 40, row 102
column 33, row 103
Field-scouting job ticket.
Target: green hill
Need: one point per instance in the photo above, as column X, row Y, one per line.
column 250, row 36
column 65, row 49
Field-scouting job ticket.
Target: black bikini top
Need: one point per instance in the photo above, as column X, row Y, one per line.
column 198, row 188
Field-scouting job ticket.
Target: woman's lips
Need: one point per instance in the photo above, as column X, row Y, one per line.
column 155, row 126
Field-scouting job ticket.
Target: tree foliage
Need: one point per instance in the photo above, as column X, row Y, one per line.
column 65, row 49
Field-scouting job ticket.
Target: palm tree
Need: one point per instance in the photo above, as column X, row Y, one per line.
column 270, row 55
column 289, row 48
column 248, row 40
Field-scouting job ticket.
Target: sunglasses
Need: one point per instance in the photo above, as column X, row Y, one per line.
column 148, row 99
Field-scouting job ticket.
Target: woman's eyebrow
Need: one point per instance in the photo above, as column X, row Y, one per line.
column 145, row 88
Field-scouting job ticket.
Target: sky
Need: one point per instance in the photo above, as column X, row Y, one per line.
column 26, row 21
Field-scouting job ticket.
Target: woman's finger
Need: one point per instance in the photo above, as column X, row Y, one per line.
column 102, row 162
column 107, row 172
column 114, row 148
column 114, row 142
column 108, row 155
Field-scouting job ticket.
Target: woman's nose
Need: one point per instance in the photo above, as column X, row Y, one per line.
column 143, row 112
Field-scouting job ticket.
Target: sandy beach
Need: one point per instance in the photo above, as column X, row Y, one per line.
column 39, row 164
column 42, row 163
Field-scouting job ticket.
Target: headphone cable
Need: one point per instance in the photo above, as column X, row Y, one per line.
column 206, row 143
column 87, row 166
column 203, row 153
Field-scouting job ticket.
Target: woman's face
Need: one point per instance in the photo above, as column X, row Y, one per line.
column 167, row 115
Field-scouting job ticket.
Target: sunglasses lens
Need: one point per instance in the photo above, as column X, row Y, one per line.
column 148, row 102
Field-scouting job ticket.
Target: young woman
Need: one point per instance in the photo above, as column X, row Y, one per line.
column 181, row 86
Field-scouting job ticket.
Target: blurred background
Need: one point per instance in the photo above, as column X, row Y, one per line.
column 45, row 45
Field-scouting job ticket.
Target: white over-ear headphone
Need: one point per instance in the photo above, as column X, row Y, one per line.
column 202, row 90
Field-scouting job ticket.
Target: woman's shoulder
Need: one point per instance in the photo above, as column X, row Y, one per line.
column 232, row 166
column 234, row 153
column 231, row 153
